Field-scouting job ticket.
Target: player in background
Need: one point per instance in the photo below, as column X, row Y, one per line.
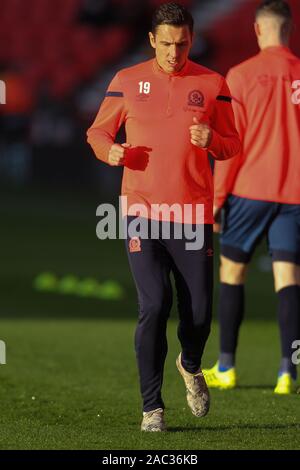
column 175, row 111
column 260, row 191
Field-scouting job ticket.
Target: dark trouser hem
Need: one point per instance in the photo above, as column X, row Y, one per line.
column 190, row 365
column 148, row 408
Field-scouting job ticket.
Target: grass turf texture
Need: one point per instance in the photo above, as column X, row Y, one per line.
column 75, row 356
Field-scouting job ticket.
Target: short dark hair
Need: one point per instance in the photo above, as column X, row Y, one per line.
column 172, row 14
column 275, row 7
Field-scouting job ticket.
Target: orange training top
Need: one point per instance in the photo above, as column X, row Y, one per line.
column 163, row 166
column 266, row 103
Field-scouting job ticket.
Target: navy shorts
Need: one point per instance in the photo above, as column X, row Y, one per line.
column 247, row 221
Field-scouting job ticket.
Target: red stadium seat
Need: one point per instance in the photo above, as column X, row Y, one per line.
column 48, row 41
column 64, row 80
column 232, row 43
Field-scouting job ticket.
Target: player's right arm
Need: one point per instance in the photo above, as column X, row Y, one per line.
column 101, row 135
column 225, row 172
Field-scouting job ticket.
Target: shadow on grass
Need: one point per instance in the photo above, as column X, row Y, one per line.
column 255, row 387
column 233, row 427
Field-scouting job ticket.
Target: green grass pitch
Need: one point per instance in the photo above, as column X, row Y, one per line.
column 70, row 381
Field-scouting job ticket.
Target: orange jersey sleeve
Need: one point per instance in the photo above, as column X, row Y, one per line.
column 225, row 142
column 225, row 172
column 101, row 135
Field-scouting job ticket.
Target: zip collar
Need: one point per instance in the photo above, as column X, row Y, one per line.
column 159, row 71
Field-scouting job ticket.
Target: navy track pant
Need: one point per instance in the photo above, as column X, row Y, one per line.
column 152, row 262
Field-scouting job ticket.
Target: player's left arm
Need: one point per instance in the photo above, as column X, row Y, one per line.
column 226, row 172
column 225, row 142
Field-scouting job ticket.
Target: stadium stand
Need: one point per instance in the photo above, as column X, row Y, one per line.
column 67, row 51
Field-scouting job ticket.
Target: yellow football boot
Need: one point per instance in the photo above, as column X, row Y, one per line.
column 222, row 380
column 285, row 384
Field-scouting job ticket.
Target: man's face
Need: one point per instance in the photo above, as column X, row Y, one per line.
column 172, row 46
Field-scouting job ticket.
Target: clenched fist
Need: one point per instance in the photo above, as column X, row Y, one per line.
column 201, row 134
column 116, row 154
